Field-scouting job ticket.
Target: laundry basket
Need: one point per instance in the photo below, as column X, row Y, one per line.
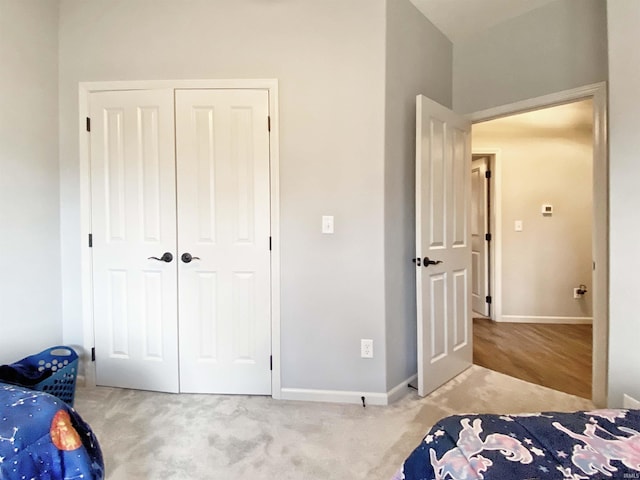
column 53, row 370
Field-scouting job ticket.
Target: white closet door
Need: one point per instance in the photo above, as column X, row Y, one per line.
column 133, row 218
column 222, row 145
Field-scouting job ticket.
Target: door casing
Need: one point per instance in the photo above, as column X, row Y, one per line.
column 600, row 229
column 86, row 274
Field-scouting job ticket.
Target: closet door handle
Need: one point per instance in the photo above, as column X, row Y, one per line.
column 427, row 261
column 186, row 258
column 166, row 257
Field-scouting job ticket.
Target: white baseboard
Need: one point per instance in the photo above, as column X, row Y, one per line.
column 345, row 396
column 400, row 390
column 535, row 319
column 630, row 402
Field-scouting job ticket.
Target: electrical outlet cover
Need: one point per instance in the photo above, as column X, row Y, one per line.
column 366, row 348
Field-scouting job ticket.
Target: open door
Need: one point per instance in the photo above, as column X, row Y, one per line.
column 443, row 244
column 480, row 236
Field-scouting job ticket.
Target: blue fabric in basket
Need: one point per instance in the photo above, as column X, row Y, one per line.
column 23, row 374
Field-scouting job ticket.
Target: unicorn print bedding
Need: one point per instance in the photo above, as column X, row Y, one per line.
column 573, row 446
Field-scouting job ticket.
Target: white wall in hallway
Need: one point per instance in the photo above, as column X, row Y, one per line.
column 544, row 164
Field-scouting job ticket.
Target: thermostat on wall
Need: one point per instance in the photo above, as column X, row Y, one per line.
column 547, row 209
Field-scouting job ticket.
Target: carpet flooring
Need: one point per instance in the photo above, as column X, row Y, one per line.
column 152, row 436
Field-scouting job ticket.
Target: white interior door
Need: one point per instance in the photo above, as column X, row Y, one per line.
column 479, row 242
column 133, row 218
column 443, row 244
column 223, row 223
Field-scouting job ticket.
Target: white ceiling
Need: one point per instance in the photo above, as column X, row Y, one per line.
column 562, row 121
column 458, row 19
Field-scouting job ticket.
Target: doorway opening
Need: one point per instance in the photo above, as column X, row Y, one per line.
column 541, row 212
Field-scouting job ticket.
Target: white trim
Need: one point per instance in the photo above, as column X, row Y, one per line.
column 629, row 402
column 400, row 390
column 545, row 319
column 346, row 396
column 333, row 396
column 86, row 271
column 600, row 288
column 85, row 89
column 558, row 98
column 225, row 83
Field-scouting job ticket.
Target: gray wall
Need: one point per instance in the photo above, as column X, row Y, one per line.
column 419, row 61
column 329, row 58
column 543, row 164
column 624, row 168
column 557, row 47
column 30, row 308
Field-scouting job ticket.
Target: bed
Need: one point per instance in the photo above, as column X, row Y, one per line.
column 42, row 437
column 552, row 445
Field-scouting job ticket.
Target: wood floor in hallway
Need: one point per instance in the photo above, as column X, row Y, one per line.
column 555, row 356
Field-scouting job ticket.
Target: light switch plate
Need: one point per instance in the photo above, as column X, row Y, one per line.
column 517, row 225
column 327, row 224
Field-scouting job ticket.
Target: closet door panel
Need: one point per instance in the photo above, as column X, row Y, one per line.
column 222, row 145
column 133, row 218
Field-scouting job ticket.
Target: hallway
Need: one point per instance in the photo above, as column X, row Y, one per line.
column 555, row 356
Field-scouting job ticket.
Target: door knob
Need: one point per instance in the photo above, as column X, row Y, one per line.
column 417, row 261
column 166, row 257
column 186, row 257
column 428, row 261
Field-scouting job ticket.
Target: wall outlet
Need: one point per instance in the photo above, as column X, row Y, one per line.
column 576, row 294
column 366, row 348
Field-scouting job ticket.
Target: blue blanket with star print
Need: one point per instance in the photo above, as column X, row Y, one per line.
column 584, row 445
column 43, row 438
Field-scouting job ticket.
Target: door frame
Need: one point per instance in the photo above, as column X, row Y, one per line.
column 86, row 271
column 600, row 225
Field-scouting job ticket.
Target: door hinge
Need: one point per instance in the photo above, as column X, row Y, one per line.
column 269, row 123
column 487, row 174
column 488, row 299
column 594, row 265
column 90, row 240
column 93, row 354
column 271, row 362
column 88, row 124
column 487, row 237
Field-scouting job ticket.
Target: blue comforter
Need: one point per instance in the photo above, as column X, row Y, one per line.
column 43, row 438
column 597, row 444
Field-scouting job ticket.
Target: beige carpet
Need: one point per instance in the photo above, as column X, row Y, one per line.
column 151, row 436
